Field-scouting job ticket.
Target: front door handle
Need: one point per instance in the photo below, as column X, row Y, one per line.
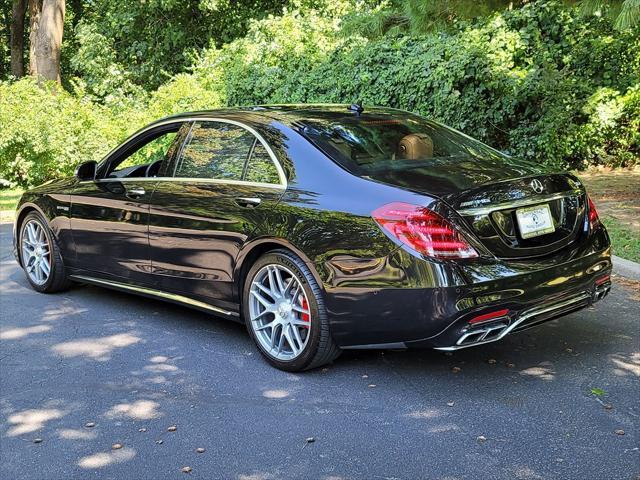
column 135, row 192
column 248, row 202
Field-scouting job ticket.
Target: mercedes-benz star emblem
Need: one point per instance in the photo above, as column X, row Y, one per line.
column 537, row 185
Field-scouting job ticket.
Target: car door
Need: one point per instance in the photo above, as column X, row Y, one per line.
column 110, row 215
column 226, row 179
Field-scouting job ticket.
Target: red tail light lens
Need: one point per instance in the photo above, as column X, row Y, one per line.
column 423, row 230
column 594, row 220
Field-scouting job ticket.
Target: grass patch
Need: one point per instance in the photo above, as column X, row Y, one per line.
column 626, row 243
column 8, row 200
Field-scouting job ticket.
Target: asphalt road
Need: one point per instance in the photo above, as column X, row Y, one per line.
column 134, row 367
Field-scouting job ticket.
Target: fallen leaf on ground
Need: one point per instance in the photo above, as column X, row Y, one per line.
column 116, row 446
column 159, row 442
column 608, row 406
column 451, row 404
column 492, row 361
column 90, row 425
column 172, row 428
column 199, row 450
column 142, row 429
column 37, row 440
column 481, row 438
column 598, row 391
column 187, row 469
column 619, row 432
column 310, row 440
column 456, row 369
column 372, row 385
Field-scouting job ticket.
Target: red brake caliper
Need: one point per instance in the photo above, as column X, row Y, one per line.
column 305, row 316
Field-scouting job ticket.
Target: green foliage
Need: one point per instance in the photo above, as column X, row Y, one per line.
column 539, row 81
column 129, row 44
column 46, row 132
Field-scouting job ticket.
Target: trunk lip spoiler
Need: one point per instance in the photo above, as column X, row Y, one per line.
column 522, row 202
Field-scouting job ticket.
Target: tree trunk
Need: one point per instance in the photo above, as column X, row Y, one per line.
column 47, row 21
column 35, row 8
column 17, row 37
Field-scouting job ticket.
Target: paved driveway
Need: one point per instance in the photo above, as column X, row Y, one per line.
column 522, row 408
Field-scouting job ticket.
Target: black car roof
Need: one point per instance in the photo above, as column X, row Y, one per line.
column 286, row 113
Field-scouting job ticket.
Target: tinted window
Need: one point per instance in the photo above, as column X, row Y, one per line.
column 147, row 158
column 383, row 141
column 260, row 167
column 215, row 150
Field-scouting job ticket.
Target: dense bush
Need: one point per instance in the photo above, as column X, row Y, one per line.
column 538, row 82
column 46, row 132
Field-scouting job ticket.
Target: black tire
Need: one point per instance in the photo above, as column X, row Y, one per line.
column 57, row 280
column 320, row 348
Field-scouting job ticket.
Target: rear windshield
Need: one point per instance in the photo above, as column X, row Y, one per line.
column 379, row 142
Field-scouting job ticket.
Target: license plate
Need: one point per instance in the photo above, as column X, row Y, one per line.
column 535, row 221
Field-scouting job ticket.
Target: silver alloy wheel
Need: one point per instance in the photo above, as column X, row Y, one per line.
column 279, row 312
column 36, row 252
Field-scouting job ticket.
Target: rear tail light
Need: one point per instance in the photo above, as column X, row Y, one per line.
column 423, row 230
column 603, row 279
column 594, row 220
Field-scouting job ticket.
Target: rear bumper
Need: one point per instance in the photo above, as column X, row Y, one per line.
column 500, row 328
column 439, row 317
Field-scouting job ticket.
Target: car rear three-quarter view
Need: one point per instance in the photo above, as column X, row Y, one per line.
column 323, row 228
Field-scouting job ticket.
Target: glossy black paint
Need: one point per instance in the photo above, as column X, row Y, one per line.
column 197, row 239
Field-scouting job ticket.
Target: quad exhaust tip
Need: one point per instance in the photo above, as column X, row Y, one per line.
column 500, row 327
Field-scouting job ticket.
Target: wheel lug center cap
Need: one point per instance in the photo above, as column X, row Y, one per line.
column 284, row 309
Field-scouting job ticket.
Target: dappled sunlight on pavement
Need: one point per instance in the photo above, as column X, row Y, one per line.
column 98, row 348
column 32, row 420
column 104, row 459
column 626, row 364
column 543, row 371
column 76, row 434
column 15, row 333
column 138, row 410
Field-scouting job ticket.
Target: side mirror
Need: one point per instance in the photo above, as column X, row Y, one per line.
column 87, row 170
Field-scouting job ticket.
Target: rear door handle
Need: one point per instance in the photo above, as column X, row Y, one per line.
column 248, row 202
column 135, row 192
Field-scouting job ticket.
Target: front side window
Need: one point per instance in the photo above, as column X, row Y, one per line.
column 215, row 150
column 147, row 158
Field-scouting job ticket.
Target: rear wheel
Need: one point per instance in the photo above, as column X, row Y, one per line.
column 40, row 255
column 285, row 313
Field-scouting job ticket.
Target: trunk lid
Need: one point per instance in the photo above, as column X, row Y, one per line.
column 488, row 195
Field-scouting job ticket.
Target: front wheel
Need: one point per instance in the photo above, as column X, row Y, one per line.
column 285, row 313
column 40, row 255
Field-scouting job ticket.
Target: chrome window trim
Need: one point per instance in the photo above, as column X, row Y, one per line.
column 522, row 202
column 275, row 186
column 156, row 293
column 272, row 155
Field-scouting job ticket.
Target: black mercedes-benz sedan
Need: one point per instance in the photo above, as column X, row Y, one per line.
column 322, row 228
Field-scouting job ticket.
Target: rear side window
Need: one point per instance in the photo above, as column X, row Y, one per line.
column 215, row 150
column 260, row 167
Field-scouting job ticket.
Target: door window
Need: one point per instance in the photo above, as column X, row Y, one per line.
column 147, row 158
column 215, row 150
